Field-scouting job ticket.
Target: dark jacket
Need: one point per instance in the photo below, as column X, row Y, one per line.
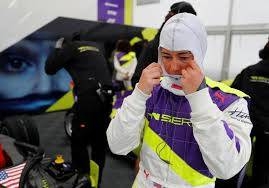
column 85, row 63
column 254, row 81
column 148, row 55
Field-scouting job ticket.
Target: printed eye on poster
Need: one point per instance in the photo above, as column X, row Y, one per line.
column 115, row 11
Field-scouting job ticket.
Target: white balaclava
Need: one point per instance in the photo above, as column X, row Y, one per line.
column 182, row 31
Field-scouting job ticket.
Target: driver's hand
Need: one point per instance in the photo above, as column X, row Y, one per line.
column 150, row 77
column 192, row 77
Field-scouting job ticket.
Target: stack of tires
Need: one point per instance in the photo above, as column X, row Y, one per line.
column 22, row 128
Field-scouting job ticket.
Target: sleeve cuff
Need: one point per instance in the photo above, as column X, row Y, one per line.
column 200, row 100
column 138, row 94
column 137, row 100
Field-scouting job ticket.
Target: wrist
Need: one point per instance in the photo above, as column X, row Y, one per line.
column 202, row 85
column 142, row 89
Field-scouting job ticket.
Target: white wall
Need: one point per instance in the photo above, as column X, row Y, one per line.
column 245, row 48
column 150, row 15
column 250, row 12
column 245, row 52
column 210, row 11
column 214, row 58
column 22, row 17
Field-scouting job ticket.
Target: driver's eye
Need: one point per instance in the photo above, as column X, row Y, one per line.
column 166, row 57
column 185, row 57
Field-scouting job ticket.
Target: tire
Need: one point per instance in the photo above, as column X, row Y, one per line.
column 22, row 128
column 68, row 122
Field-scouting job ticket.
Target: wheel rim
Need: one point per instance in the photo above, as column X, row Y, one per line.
column 5, row 131
column 68, row 124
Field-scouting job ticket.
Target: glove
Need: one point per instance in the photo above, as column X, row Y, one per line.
column 59, row 43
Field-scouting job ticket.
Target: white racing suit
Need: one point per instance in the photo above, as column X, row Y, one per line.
column 187, row 140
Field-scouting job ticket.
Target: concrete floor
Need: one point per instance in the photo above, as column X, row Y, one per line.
column 118, row 171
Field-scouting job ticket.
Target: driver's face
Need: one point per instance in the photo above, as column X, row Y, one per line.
column 176, row 61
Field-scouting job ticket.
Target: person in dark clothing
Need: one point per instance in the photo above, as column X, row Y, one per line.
column 150, row 53
column 254, row 81
column 88, row 69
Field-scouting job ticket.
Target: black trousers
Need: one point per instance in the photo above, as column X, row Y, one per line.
column 89, row 126
column 261, row 160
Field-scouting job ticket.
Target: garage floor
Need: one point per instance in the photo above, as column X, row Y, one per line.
column 118, row 171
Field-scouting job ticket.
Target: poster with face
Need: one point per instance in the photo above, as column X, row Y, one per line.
column 26, row 88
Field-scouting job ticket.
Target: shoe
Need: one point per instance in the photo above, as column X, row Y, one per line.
column 83, row 182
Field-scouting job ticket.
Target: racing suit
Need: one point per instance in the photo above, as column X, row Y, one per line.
column 88, row 69
column 125, row 64
column 254, row 81
column 187, row 140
